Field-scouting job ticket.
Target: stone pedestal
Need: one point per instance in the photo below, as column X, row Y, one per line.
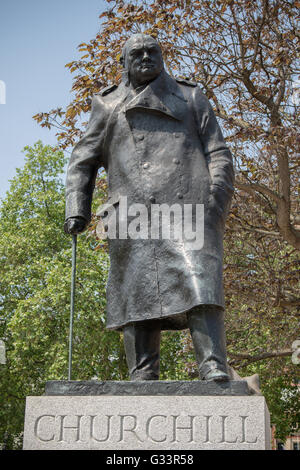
column 146, row 416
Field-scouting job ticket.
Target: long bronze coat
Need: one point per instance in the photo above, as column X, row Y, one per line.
column 162, row 145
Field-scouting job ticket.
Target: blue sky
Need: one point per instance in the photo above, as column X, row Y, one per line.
column 37, row 39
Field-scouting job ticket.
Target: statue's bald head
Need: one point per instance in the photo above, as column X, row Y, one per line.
column 135, row 39
column 142, row 59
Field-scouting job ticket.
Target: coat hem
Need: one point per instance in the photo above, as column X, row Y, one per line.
column 168, row 319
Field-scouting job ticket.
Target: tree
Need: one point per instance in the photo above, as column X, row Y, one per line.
column 35, row 290
column 35, row 295
column 243, row 54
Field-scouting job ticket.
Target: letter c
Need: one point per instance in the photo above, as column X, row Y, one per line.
column 148, row 428
column 36, row 428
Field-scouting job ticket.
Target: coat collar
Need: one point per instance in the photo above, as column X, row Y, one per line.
column 162, row 95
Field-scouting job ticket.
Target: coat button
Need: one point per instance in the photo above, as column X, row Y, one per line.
column 146, row 166
column 152, row 199
column 176, row 161
column 179, row 195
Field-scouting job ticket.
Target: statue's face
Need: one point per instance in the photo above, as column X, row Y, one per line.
column 143, row 59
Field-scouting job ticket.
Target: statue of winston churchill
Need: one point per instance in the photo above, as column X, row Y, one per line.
column 159, row 142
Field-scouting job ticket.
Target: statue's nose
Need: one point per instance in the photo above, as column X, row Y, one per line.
column 146, row 55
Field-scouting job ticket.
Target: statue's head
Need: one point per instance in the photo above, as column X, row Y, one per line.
column 142, row 59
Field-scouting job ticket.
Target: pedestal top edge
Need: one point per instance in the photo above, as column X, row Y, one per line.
column 149, row 387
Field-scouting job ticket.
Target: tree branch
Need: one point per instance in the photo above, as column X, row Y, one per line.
column 258, row 357
column 253, row 187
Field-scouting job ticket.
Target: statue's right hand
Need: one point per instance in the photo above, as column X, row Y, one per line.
column 74, row 225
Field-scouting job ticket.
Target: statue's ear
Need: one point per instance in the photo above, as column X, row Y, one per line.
column 122, row 61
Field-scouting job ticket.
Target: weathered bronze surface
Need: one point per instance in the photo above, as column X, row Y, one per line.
column 159, row 142
column 149, row 387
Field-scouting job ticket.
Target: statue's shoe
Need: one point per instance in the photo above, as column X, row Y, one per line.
column 217, row 375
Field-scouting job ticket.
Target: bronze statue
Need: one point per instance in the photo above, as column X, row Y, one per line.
column 158, row 139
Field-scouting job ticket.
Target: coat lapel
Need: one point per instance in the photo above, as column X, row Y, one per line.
column 158, row 96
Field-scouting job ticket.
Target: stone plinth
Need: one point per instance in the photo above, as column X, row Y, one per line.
column 168, row 419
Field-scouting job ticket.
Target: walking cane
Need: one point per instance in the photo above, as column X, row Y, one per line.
column 74, row 245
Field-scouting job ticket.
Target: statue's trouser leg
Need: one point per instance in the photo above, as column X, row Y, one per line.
column 206, row 324
column 142, row 348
